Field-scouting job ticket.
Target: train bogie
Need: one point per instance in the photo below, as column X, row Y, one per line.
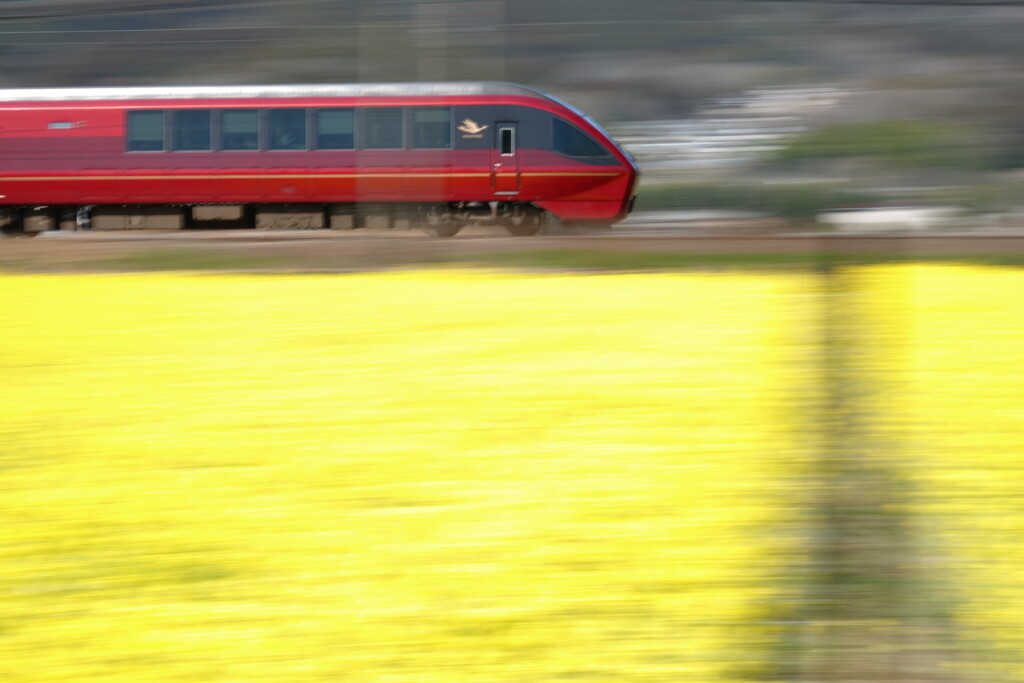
column 439, row 155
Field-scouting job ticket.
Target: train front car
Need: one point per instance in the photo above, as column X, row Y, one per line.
column 441, row 155
column 545, row 158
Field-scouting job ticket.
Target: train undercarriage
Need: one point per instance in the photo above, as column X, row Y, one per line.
column 439, row 220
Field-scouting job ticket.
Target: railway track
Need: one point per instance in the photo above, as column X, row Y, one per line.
column 327, row 250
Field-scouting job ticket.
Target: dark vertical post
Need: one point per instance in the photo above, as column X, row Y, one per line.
column 867, row 613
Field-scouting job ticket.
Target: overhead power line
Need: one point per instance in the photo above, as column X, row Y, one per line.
column 416, row 27
column 27, row 10
column 903, row 3
column 14, row 10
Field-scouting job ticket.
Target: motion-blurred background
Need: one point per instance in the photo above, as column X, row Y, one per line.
column 892, row 102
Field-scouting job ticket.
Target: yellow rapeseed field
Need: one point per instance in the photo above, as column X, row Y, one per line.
column 964, row 394
column 411, row 476
column 452, row 475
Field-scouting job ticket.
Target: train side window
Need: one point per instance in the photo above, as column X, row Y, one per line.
column 382, row 128
column 432, row 128
column 145, row 131
column 192, row 130
column 240, row 129
column 507, row 141
column 571, row 141
column 287, row 129
column 335, row 129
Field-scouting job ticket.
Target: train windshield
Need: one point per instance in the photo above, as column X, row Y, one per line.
column 596, row 126
column 569, row 140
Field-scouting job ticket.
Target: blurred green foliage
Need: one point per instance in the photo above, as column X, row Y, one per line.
column 907, row 143
column 799, row 202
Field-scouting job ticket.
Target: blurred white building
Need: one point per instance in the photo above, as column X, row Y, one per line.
column 728, row 131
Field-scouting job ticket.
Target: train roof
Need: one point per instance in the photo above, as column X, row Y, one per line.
column 169, row 92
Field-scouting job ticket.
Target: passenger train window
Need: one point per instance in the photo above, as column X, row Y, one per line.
column 192, row 130
column 432, row 128
column 335, row 129
column 382, row 128
column 287, row 129
column 145, row 131
column 571, row 141
column 507, row 141
column 239, row 129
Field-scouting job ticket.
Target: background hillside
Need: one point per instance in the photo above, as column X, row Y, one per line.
column 650, row 58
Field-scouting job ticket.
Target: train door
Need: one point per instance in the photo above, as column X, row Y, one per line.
column 505, row 159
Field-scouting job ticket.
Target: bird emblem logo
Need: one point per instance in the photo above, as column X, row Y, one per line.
column 472, row 127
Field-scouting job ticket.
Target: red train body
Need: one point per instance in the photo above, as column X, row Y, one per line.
column 442, row 153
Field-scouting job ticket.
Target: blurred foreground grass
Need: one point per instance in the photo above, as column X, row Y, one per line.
column 477, row 476
column 423, row 476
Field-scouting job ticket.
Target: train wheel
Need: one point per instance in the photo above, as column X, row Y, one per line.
column 525, row 222
column 440, row 224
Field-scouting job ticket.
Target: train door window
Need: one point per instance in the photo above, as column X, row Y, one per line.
column 239, row 129
column 192, row 130
column 145, row 131
column 382, row 128
column 569, row 140
column 335, row 128
column 287, row 128
column 507, row 141
column 432, row 128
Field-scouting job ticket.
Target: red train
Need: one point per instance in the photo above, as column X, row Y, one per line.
column 440, row 155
